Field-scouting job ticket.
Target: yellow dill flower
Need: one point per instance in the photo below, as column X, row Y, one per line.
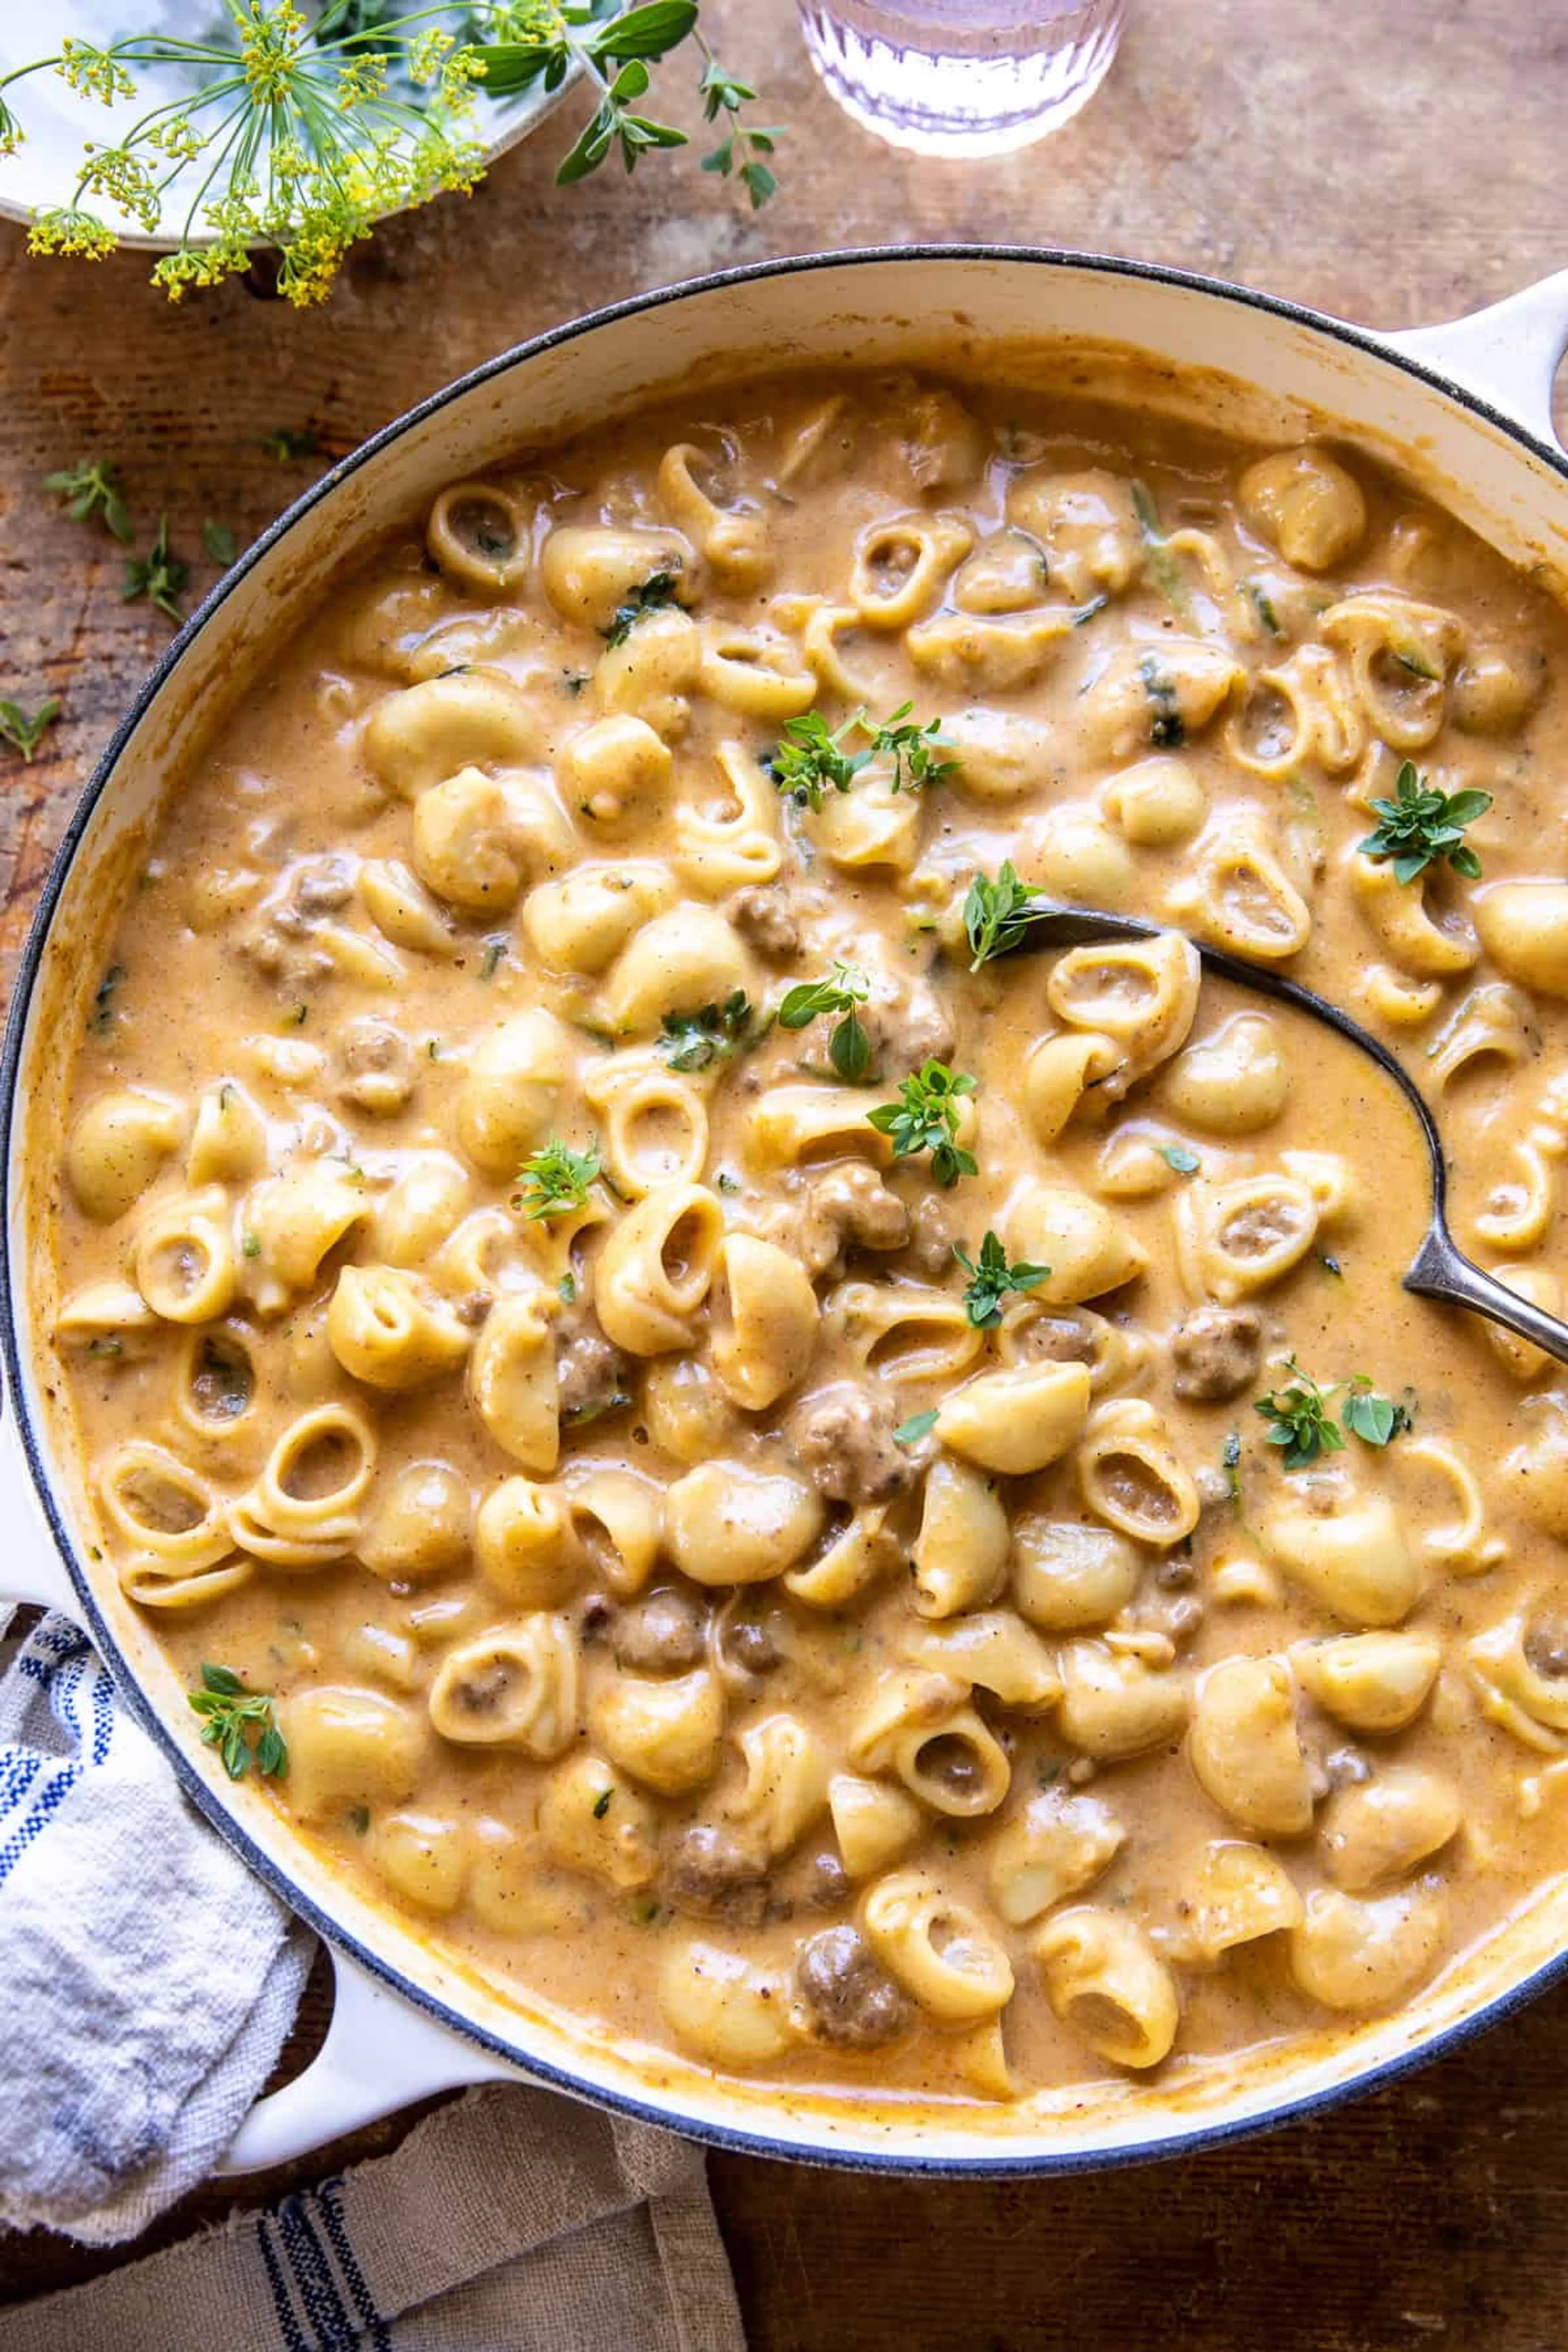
column 460, row 74
column 178, row 138
column 361, row 78
column 94, row 72
column 66, row 228
column 176, row 273
column 125, row 180
column 327, row 123
column 269, row 43
column 526, row 22
column 427, row 54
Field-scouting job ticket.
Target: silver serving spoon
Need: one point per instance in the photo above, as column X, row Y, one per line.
column 1441, row 1270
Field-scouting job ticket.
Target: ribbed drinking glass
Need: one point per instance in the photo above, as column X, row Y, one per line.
column 962, row 77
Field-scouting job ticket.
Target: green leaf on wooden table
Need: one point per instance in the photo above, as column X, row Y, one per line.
column 24, row 730
column 286, row 442
column 92, row 488
column 159, row 576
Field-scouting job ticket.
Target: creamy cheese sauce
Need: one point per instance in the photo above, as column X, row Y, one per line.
column 705, row 1603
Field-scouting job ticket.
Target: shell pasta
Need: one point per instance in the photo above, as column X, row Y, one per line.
column 839, row 1502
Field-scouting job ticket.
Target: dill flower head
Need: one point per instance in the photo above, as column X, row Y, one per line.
column 303, row 134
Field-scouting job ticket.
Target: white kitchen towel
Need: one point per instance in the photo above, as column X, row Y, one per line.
column 149, row 1980
column 511, row 2220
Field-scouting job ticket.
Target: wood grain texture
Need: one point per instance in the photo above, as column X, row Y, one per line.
column 1391, row 164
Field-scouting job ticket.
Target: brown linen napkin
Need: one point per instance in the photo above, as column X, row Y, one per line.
column 511, row 2220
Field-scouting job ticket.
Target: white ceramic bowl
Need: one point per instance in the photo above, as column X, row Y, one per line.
column 1465, row 407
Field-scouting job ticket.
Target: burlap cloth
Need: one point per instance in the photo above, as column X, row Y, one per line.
column 511, row 2220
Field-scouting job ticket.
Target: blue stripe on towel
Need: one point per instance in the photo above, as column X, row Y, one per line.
column 62, row 1646
column 59, row 1659
column 329, row 2204
column 324, row 2306
column 55, row 1789
column 63, row 1682
column 19, row 1767
column 288, row 2327
column 102, row 1713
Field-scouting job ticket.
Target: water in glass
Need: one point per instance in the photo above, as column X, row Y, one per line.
column 962, row 77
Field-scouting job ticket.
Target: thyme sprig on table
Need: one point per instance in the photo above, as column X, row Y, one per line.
column 91, row 487
column 304, row 132
column 24, row 731
column 161, row 576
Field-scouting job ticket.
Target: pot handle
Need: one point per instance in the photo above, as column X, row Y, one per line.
column 31, row 1569
column 381, row 2053
column 1506, row 353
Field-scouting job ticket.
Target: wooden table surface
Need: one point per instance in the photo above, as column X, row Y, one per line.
column 1390, row 162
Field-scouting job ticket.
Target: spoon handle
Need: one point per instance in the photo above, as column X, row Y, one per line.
column 1442, row 1270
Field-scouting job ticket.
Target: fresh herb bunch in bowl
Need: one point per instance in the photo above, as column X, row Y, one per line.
column 269, row 126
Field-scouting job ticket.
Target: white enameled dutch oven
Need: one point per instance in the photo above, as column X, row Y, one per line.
column 1466, row 408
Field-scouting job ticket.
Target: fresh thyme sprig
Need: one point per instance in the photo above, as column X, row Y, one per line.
column 695, row 1041
column 649, row 596
column 286, row 442
column 1298, row 1419
column 850, row 1042
column 991, row 1278
column 92, row 488
column 811, row 758
column 159, row 576
column 1302, row 1424
column 25, row 732
column 925, row 1118
column 994, row 914
column 239, row 1724
column 722, row 93
column 553, row 1181
column 304, row 129
column 1372, row 1418
column 910, row 748
column 1421, row 826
